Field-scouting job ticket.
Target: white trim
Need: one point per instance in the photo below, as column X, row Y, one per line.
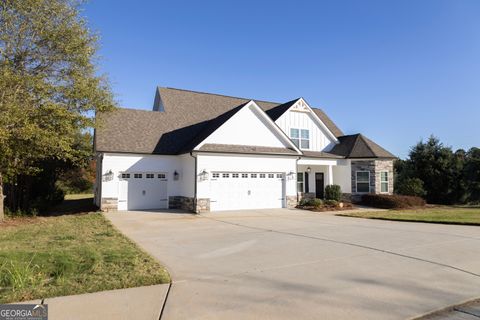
column 388, row 187
column 300, row 138
column 356, row 182
column 302, row 182
column 268, row 120
column 334, row 138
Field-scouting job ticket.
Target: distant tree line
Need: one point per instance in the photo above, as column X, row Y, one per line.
column 439, row 174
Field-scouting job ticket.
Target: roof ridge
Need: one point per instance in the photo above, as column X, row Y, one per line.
column 355, row 144
column 219, row 94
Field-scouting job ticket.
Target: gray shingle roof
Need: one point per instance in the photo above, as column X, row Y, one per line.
column 232, row 148
column 359, row 146
column 187, row 119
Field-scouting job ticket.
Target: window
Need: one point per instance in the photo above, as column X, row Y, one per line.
column 234, row 175
column 384, row 181
column 299, row 181
column 161, row 176
column 216, row 175
column 301, row 138
column 244, row 175
column 225, row 175
column 363, row 181
column 253, row 175
column 150, row 175
column 262, row 175
column 125, row 175
column 137, row 175
column 279, row 175
column 271, row 175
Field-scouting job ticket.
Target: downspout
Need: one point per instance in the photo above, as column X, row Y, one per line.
column 194, row 183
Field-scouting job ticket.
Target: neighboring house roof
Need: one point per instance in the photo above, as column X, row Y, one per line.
column 359, row 146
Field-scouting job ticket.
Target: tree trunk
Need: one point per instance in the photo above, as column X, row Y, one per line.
column 2, row 214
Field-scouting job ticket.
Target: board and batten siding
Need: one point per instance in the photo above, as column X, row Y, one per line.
column 319, row 141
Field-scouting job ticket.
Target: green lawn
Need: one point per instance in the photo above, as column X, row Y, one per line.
column 70, row 254
column 453, row 215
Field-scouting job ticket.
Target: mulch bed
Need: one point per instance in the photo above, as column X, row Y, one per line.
column 346, row 206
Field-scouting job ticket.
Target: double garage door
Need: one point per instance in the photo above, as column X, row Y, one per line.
column 142, row 191
column 246, row 190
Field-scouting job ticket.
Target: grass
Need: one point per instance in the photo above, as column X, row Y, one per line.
column 70, row 254
column 450, row 215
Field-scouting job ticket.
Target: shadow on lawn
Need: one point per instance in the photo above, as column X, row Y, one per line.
column 73, row 205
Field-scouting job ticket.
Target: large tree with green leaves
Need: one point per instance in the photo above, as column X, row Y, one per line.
column 50, row 89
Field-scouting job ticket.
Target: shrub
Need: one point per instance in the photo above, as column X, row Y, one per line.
column 395, row 201
column 410, row 187
column 333, row 192
column 331, row 203
column 311, row 202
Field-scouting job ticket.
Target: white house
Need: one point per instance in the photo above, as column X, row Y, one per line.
column 207, row 152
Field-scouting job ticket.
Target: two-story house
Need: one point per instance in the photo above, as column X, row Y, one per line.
column 208, row 152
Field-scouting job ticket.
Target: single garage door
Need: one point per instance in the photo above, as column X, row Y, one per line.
column 142, row 191
column 246, row 190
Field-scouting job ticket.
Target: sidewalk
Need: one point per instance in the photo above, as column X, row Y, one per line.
column 134, row 303
column 466, row 311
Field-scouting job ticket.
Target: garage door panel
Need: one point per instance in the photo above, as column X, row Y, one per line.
column 235, row 191
column 144, row 191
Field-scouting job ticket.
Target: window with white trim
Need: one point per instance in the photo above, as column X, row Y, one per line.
column 150, row 175
column 137, row 175
column 234, row 175
column 225, row 175
column 300, row 182
column 384, row 181
column 363, row 181
column 253, row 175
column 271, row 175
column 161, row 176
column 216, row 175
column 279, row 175
column 300, row 137
column 125, row 175
column 244, row 175
column 262, row 175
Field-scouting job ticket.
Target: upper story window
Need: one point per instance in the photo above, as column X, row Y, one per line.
column 300, row 137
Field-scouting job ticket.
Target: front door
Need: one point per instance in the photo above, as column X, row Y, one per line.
column 319, row 185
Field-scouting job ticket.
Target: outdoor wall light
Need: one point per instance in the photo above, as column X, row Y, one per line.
column 108, row 176
column 309, row 169
column 203, row 175
column 176, row 175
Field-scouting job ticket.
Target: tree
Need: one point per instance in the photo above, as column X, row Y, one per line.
column 50, row 90
column 472, row 174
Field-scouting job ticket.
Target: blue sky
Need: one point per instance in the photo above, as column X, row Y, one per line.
column 396, row 71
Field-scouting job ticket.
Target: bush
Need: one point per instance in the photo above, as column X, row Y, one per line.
column 410, row 187
column 331, row 203
column 311, row 202
column 333, row 192
column 385, row 201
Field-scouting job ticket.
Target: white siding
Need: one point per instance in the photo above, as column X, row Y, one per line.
column 342, row 177
column 319, row 140
column 117, row 163
column 246, row 127
column 241, row 163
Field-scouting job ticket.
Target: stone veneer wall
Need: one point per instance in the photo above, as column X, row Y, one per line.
column 384, row 165
column 109, row 204
column 375, row 167
column 180, row 202
column 202, row 205
column 292, row 202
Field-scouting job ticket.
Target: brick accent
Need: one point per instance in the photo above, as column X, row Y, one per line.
column 180, row 202
column 292, row 202
column 202, row 205
column 109, row 204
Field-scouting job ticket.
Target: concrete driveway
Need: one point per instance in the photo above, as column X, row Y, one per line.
column 291, row 264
